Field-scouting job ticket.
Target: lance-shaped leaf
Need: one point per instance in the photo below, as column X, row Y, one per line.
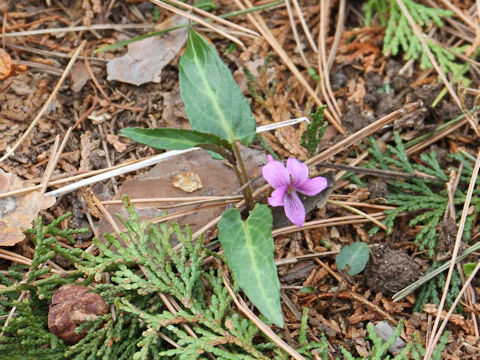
column 213, row 101
column 248, row 247
column 177, row 139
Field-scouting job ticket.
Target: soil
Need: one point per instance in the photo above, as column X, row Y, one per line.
column 389, row 271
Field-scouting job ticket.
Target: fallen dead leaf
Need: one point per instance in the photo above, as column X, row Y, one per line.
column 187, row 181
column 114, row 140
column 8, row 67
column 146, row 58
column 218, row 180
column 79, row 75
column 18, row 212
column 455, row 319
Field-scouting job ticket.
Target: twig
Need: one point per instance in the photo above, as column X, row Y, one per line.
column 363, row 133
column 295, row 33
column 257, row 20
column 452, row 308
column 304, row 26
column 322, row 63
column 50, row 165
column 47, row 103
column 198, row 20
column 412, row 287
column 338, row 34
column 342, row 220
column 214, row 17
column 458, row 239
column 175, row 199
column 358, row 212
column 378, row 172
column 55, row 156
column 78, row 29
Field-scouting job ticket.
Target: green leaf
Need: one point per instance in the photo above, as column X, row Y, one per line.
column 213, row 101
column 248, row 247
column 355, row 256
column 173, row 139
column 468, row 268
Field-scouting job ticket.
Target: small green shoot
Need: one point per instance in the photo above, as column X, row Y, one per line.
column 468, row 268
column 354, row 256
column 315, row 130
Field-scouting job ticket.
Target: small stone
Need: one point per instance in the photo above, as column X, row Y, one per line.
column 384, row 330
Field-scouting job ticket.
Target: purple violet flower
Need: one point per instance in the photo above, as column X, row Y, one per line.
column 286, row 181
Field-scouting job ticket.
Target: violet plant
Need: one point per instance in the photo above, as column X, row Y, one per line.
column 220, row 117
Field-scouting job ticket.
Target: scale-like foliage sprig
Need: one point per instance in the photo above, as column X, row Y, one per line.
column 399, row 35
column 427, row 199
column 146, row 271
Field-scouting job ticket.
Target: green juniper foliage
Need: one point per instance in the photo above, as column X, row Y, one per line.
column 144, row 267
column 431, row 292
column 315, row 130
column 426, row 199
column 399, row 35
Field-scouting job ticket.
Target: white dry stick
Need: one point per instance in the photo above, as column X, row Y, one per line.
column 152, row 161
column 458, row 239
column 47, row 103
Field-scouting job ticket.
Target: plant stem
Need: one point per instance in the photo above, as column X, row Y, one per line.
column 243, row 177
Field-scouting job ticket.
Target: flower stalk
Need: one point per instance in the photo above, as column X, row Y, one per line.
column 242, row 177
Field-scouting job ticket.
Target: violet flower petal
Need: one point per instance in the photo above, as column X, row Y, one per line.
column 276, row 174
column 312, row 186
column 277, row 196
column 294, row 208
column 298, row 170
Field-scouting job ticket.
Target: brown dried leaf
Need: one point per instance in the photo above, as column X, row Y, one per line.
column 217, row 178
column 114, row 140
column 7, row 67
column 146, row 58
column 18, row 212
column 87, row 145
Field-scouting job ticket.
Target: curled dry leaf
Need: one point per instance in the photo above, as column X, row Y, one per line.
column 7, row 67
column 114, row 140
column 18, row 212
